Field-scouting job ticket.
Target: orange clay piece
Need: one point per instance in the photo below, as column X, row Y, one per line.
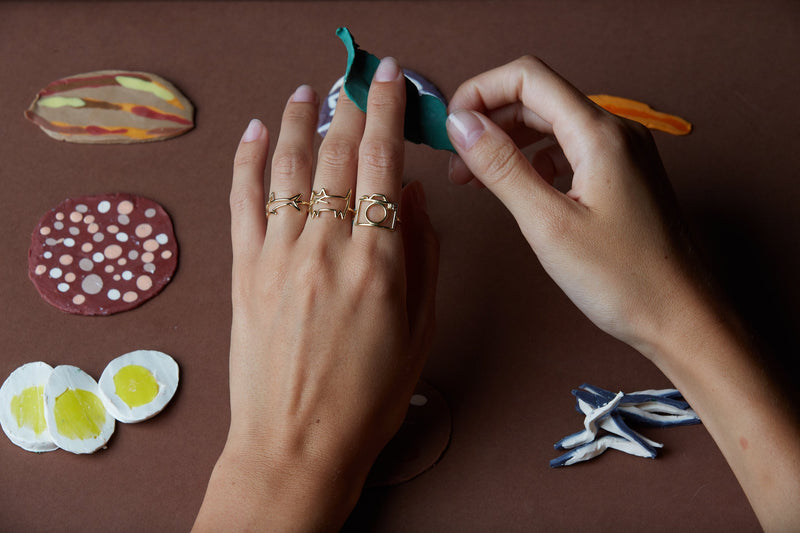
column 642, row 113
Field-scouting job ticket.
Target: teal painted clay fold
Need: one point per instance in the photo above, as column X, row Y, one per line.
column 425, row 115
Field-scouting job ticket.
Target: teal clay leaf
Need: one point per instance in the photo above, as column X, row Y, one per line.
column 425, row 114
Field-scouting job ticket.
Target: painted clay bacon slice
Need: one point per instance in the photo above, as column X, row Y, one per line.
column 99, row 255
column 111, row 106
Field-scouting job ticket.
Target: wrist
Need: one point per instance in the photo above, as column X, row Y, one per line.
column 252, row 488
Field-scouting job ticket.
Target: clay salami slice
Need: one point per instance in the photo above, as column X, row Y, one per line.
column 99, row 255
column 111, row 106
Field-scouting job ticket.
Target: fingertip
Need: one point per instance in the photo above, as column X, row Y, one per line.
column 255, row 131
column 464, row 129
column 304, row 94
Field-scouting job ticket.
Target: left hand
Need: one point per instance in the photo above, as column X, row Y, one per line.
column 331, row 321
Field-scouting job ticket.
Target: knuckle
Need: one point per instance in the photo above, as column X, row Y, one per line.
column 381, row 156
column 299, row 114
column 504, row 163
column 246, row 160
column 384, row 100
column 337, row 153
column 241, row 198
column 290, row 162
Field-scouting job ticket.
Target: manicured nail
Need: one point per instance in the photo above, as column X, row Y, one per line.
column 464, row 128
column 253, row 131
column 388, row 70
column 305, row 94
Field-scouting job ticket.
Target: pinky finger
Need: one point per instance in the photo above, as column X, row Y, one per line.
column 248, row 216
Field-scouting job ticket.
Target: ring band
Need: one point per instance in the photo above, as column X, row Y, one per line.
column 322, row 197
column 273, row 204
column 376, row 211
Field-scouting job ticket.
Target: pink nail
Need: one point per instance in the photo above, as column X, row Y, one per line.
column 388, row 70
column 304, row 94
column 253, row 131
column 465, row 128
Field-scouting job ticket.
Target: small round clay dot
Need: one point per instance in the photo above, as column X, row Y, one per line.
column 113, row 294
column 109, row 268
column 142, row 230
column 69, row 242
column 58, row 225
column 150, row 268
column 86, row 264
column 150, row 213
column 50, row 241
column 418, row 400
column 81, row 208
column 150, row 245
column 55, row 273
column 59, row 216
column 117, row 277
column 148, row 257
column 47, row 255
column 65, row 259
column 70, row 277
column 104, row 206
column 125, row 207
column 75, row 216
column 122, row 237
column 166, row 254
column 86, row 247
column 74, row 231
column 113, row 251
column 92, row 284
column 123, row 220
column 132, row 255
column 88, row 219
column 78, row 299
column 112, row 228
column 122, row 261
column 40, row 269
column 98, row 237
column 144, row 283
column 162, row 238
column 63, row 287
column 92, row 228
column 130, row 296
column 97, row 257
column 45, row 230
column 127, row 275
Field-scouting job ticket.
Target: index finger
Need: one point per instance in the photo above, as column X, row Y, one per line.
column 555, row 106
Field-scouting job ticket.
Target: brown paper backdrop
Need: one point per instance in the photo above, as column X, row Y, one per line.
column 509, row 345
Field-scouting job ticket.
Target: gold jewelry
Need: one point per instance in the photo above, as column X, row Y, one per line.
column 322, row 197
column 376, row 211
column 273, row 204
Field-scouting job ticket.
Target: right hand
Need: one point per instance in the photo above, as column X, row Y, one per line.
column 613, row 242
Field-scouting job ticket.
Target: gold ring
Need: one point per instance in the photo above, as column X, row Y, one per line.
column 376, row 211
column 273, row 204
column 322, row 197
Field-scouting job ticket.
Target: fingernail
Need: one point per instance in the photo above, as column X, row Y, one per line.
column 464, row 128
column 253, row 131
column 305, row 94
column 388, row 70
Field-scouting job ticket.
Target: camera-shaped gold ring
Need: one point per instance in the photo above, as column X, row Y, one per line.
column 376, row 211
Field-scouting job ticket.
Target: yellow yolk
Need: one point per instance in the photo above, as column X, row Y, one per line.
column 28, row 409
column 135, row 385
column 79, row 414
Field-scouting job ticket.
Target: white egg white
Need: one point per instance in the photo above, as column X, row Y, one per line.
column 33, row 374
column 63, row 379
column 163, row 368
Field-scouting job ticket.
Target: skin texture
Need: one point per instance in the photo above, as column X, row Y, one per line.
column 613, row 242
column 331, row 322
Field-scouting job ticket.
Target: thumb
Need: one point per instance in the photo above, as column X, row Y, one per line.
column 497, row 162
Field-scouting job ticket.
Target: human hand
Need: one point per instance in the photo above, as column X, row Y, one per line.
column 331, row 321
column 613, row 242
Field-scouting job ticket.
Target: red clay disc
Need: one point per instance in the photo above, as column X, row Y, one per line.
column 99, row 255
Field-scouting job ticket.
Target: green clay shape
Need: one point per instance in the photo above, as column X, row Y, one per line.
column 425, row 115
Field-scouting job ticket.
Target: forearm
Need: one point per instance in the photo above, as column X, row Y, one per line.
column 707, row 354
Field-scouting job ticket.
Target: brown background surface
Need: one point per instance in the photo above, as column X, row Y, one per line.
column 509, row 345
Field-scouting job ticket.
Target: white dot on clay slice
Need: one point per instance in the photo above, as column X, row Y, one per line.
column 104, row 206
